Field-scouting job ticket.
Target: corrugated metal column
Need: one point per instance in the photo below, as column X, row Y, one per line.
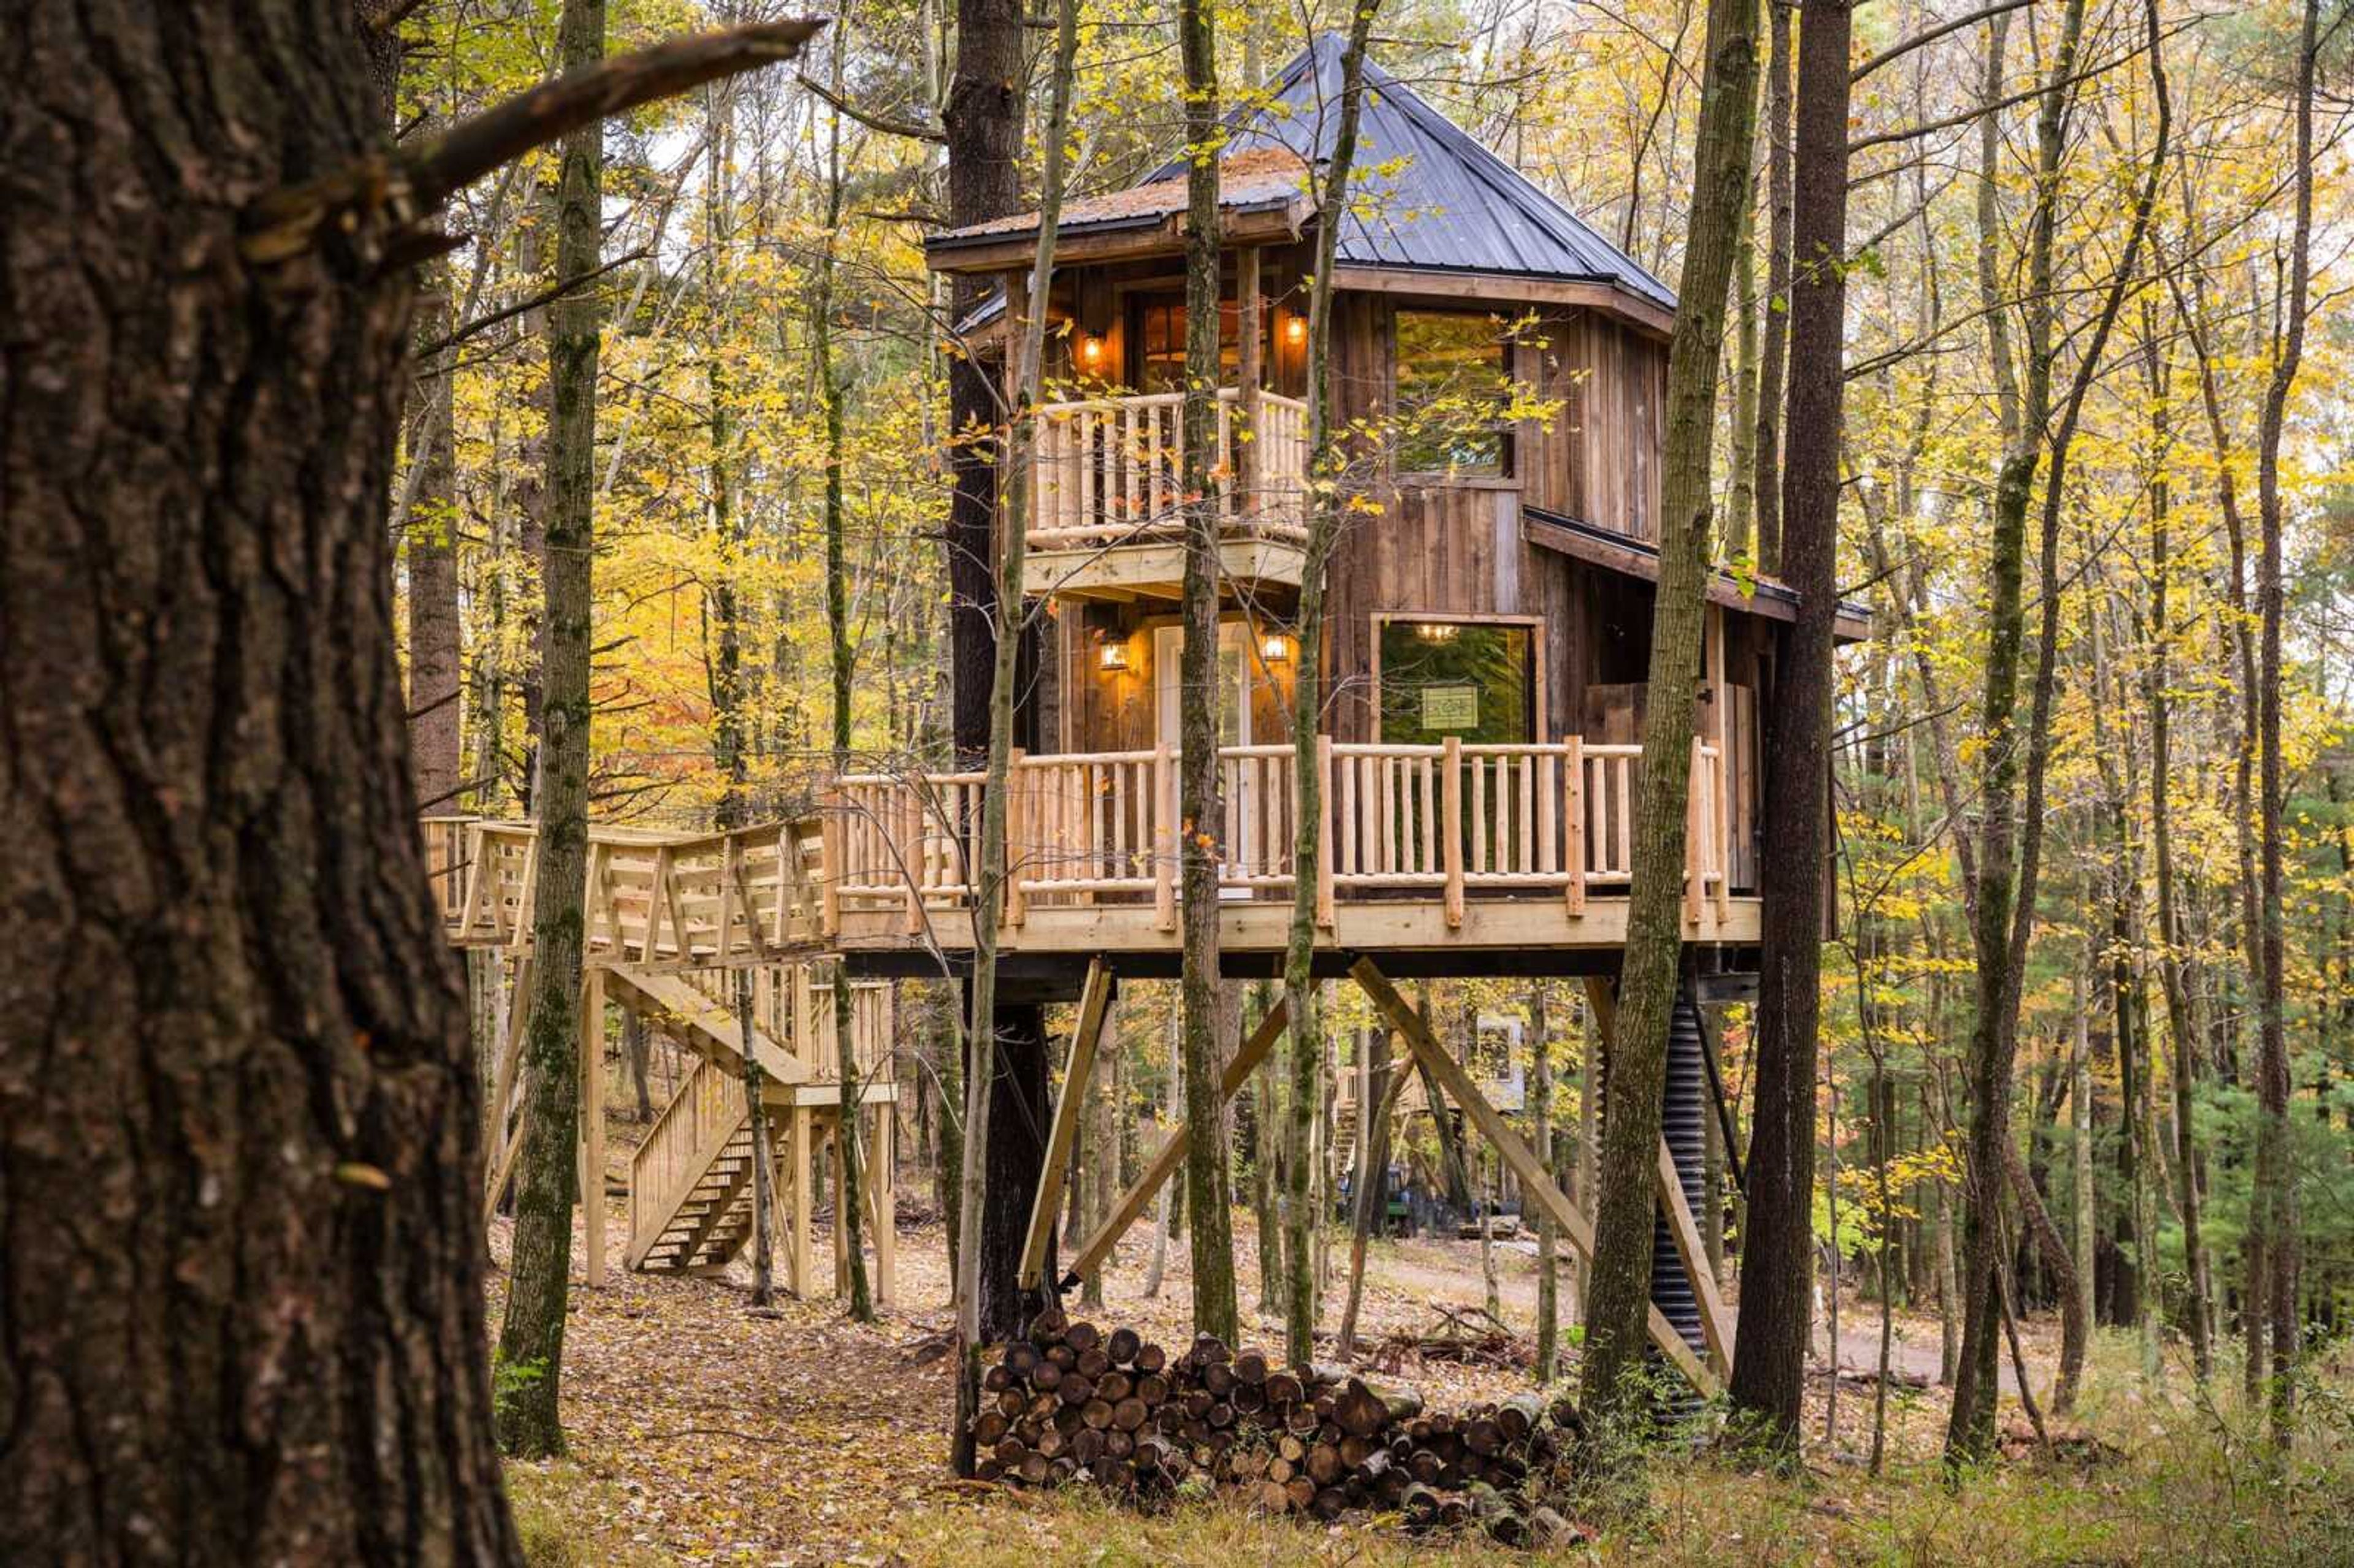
column 1684, row 1103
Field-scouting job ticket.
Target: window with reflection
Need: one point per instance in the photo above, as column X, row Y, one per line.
column 1454, row 383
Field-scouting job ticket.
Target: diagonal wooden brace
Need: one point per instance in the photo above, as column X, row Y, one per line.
column 1095, row 998
column 1533, row 1178
column 1137, row 1199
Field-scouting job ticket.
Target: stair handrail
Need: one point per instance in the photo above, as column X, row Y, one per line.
column 678, row 1149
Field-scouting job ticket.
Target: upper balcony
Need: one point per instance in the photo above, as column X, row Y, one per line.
column 1107, row 495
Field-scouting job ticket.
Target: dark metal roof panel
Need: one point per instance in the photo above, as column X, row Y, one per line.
column 1440, row 200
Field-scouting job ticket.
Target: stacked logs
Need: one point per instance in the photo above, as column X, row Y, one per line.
column 1072, row 1401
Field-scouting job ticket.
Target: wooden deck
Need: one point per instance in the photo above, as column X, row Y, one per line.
column 1478, row 855
column 1448, row 849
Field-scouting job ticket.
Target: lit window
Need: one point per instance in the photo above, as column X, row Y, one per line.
column 1454, row 381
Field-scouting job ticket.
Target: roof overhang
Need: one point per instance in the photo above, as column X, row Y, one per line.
column 1511, row 288
column 1565, row 536
column 1275, row 222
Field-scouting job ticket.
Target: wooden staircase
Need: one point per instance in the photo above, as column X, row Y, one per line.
column 691, row 1179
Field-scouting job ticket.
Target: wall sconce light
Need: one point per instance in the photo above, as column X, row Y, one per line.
column 1091, row 350
column 1276, row 648
column 1112, row 656
column 1295, row 330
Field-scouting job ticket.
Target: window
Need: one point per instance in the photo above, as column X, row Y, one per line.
column 1472, row 680
column 1160, row 344
column 1453, row 382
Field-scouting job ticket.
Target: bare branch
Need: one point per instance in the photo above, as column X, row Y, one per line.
column 404, row 186
column 874, row 119
column 1904, row 46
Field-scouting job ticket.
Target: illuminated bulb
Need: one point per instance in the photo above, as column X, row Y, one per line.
column 1091, row 350
column 1295, row 330
column 1112, row 656
column 1276, row 649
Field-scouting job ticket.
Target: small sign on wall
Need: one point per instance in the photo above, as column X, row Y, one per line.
column 1450, row 707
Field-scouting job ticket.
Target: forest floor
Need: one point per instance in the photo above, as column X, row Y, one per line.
column 701, row 1432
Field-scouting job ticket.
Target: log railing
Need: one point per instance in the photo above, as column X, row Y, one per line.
column 1107, row 470
column 677, row 1150
column 1453, row 819
column 751, row 895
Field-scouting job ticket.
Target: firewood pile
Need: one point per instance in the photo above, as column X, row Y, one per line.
column 1073, row 1403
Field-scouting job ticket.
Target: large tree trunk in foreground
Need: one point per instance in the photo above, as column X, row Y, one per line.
column 240, row 1284
column 1619, row 1298
column 1778, row 1253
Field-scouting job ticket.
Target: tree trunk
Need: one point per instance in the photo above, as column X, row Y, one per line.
column 1548, row 1260
column 1765, row 454
column 242, row 1272
column 2273, row 1227
column 849, row 1216
column 2178, row 962
column 1770, row 1358
column 1618, row 1302
column 983, row 119
column 1201, row 847
column 531, row 1340
column 429, row 534
column 985, row 1280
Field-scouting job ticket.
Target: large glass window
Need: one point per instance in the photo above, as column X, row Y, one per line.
column 1454, row 383
column 1472, row 680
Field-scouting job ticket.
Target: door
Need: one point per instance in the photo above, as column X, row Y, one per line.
column 1234, row 725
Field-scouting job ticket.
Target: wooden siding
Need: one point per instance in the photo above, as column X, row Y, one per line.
column 1597, row 458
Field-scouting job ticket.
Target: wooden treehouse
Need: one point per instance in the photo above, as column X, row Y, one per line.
column 673, row 921
column 1501, row 369
column 1487, row 608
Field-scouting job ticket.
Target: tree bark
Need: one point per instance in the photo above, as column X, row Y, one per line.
column 848, row 1213
column 1766, row 453
column 982, row 1230
column 531, row 1339
column 1201, row 850
column 2273, row 1238
column 1548, row 1259
column 252, row 1159
column 1618, row 1301
column 430, row 534
column 1770, row 1359
column 983, row 118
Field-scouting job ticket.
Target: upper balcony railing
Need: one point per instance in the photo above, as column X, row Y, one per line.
column 1452, row 822
column 1108, row 473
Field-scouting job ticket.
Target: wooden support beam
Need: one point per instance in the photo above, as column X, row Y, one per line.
column 592, row 1123
column 1715, row 1323
column 1137, row 1199
column 1095, row 1000
column 1534, row 1179
column 800, row 1268
column 883, row 1190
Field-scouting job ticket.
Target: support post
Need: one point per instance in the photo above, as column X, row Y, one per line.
column 1095, row 1000
column 592, row 1122
column 800, row 1266
column 1572, row 838
column 1450, row 826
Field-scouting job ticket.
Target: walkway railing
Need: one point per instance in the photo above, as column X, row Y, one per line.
column 751, row 895
column 1455, row 821
column 1108, row 469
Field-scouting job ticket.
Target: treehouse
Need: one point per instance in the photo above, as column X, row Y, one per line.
column 1499, row 370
